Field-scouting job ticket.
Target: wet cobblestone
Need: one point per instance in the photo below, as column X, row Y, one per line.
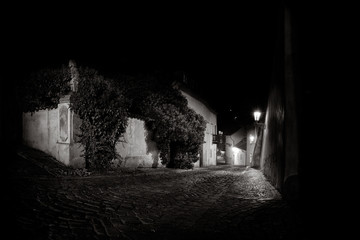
column 220, row 202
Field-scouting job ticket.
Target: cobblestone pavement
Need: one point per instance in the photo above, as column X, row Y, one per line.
column 219, row 202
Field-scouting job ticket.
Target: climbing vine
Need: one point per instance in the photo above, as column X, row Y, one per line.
column 104, row 106
column 103, row 109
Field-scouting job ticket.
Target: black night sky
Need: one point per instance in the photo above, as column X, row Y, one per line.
column 228, row 50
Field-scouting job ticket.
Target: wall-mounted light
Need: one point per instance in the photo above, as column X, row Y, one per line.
column 257, row 115
column 251, row 138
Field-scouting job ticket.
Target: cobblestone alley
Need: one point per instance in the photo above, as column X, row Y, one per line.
column 220, row 202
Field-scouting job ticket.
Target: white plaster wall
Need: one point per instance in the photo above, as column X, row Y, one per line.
column 229, row 158
column 200, row 108
column 213, row 154
column 135, row 149
column 209, row 149
column 250, row 147
column 238, row 135
column 40, row 131
column 53, row 132
column 239, row 157
column 64, row 153
column 35, row 132
column 236, row 155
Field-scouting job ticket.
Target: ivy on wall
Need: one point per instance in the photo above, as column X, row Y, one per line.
column 104, row 106
column 103, row 109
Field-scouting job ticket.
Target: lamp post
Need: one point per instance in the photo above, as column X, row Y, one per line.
column 257, row 148
column 257, row 115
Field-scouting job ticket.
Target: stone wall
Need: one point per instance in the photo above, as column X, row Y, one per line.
column 44, row 130
column 234, row 155
column 52, row 131
column 55, row 132
column 280, row 146
column 272, row 152
column 40, row 131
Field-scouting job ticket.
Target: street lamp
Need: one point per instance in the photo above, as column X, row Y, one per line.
column 257, row 115
column 255, row 159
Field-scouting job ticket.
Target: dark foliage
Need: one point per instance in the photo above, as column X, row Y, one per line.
column 44, row 88
column 104, row 106
column 103, row 109
column 177, row 130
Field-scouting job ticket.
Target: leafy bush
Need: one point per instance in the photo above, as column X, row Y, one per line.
column 44, row 88
column 177, row 129
column 102, row 107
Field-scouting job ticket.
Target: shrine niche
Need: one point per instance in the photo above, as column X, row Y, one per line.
column 76, row 131
column 63, row 123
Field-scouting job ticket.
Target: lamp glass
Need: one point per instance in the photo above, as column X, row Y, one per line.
column 257, row 115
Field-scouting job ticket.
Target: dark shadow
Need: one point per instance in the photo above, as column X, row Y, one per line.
column 290, row 189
